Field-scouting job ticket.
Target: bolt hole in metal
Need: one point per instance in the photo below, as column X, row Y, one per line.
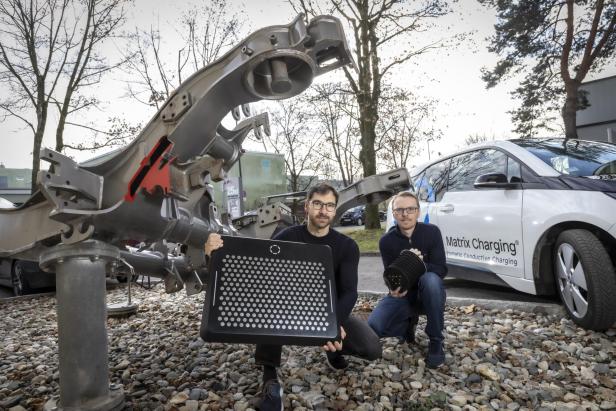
column 328, row 56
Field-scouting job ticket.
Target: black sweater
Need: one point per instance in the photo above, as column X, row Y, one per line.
column 345, row 253
column 425, row 237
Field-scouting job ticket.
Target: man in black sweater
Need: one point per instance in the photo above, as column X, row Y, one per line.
column 396, row 315
column 357, row 338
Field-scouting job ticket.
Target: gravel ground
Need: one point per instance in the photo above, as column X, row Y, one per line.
column 495, row 360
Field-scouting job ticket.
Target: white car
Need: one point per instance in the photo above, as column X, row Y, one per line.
column 537, row 215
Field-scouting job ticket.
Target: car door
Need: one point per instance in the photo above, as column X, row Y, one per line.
column 482, row 227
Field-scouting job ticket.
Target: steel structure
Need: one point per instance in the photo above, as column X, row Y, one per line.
column 157, row 189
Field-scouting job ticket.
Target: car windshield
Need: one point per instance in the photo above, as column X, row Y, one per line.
column 575, row 157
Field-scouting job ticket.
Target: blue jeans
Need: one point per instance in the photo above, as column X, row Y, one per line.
column 391, row 316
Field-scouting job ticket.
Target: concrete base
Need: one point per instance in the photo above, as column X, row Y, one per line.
column 113, row 402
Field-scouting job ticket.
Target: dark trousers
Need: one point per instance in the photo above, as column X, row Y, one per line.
column 391, row 316
column 360, row 341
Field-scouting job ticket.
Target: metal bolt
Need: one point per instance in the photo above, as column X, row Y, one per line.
column 247, row 50
column 273, row 39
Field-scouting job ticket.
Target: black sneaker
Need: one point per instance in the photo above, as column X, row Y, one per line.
column 336, row 361
column 410, row 330
column 271, row 396
column 436, row 354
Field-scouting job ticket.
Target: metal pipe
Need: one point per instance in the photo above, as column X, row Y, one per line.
column 280, row 77
column 153, row 264
column 82, row 314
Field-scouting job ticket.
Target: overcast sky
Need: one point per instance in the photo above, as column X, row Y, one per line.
column 451, row 76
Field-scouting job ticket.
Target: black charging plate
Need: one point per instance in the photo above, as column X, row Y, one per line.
column 270, row 292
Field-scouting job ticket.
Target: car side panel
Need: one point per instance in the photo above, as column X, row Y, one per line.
column 543, row 209
column 612, row 231
column 483, row 229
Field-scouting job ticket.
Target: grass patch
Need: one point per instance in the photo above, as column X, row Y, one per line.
column 367, row 240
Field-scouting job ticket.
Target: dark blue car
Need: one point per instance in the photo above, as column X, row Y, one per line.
column 357, row 216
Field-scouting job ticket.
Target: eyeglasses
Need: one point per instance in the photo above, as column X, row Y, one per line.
column 317, row 205
column 407, row 210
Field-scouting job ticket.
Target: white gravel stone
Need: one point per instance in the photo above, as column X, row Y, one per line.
column 157, row 356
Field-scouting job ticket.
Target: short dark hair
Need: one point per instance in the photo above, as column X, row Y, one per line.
column 407, row 194
column 321, row 188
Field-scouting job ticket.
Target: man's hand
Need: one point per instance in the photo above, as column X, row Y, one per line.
column 214, row 242
column 396, row 293
column 417, row 253
column 336, row 345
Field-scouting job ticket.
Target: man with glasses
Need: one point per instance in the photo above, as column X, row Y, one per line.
column 356, row 337
column 396, row 315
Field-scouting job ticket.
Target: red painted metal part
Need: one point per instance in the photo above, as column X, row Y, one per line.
column 153, row 171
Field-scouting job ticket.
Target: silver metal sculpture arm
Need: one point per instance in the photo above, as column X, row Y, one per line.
column 157, row 187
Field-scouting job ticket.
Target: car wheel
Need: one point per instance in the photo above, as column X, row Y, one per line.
column 359, row 222
column 585, row 279
column 18, row 280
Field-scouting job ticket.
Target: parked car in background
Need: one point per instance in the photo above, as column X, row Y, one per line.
column 354, row 216
column 23, row 276
column 538, row 215
column 357, row 216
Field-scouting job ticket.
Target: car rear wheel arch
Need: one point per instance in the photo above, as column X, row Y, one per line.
column 573, row 244
column 543, row 273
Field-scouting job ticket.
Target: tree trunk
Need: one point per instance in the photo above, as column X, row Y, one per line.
column 569, row 111
column 41, row 122
column 36, row 155
column 60, row 130
column 367, row 156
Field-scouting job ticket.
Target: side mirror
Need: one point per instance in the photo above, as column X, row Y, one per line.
column 494, row 180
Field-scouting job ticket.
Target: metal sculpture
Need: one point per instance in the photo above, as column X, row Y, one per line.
column 157, row 188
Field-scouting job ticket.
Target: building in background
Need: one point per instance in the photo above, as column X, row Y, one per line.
column 598, row 122
column 15, row 184
column 254, row 176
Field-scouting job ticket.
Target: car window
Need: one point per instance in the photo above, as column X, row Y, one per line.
column 458, row 173
column 574, row 157
column 465, row 168
column 432, row 185
column 514, row 171
column 416, row 181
